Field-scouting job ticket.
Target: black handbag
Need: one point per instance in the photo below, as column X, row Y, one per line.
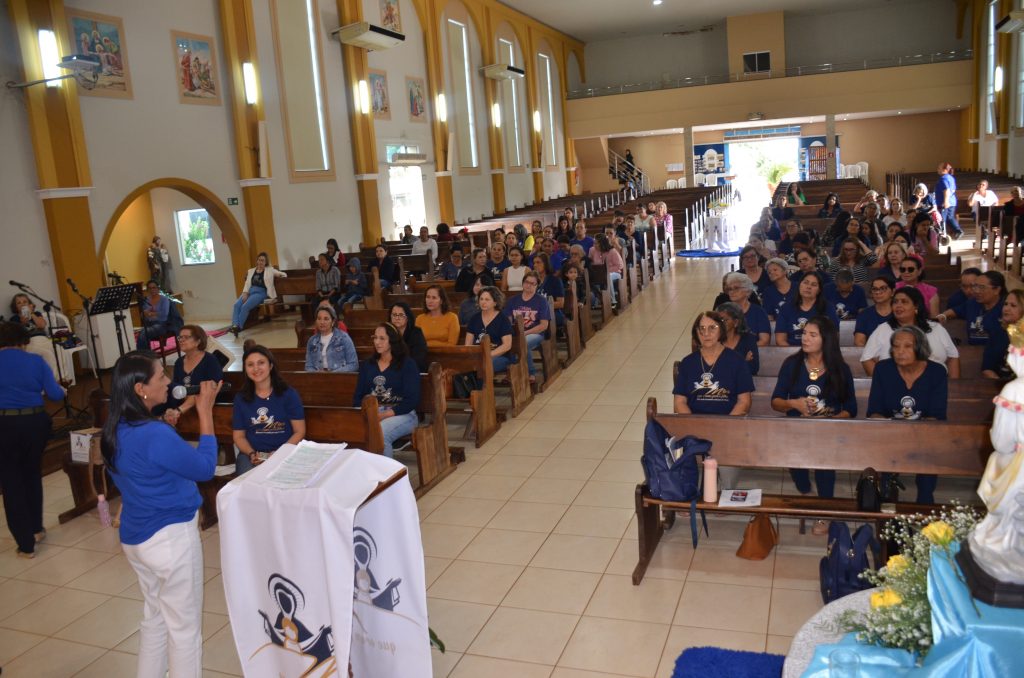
column 869, row 491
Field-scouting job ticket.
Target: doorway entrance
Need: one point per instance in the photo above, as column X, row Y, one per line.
column 760, row 166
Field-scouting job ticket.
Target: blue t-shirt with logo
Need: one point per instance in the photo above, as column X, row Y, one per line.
column 532, row 311
column 869, row 320
column 757, row 320
column 499, row 327
column 772, row 300
column 825, row 403
column 981, row 324
column 850, row 306
column 791, row 320
column 713, row 389
column 890, row 397
column 267, row 422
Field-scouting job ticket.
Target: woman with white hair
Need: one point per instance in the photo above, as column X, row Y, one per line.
column 781, row 289
column 739, row 287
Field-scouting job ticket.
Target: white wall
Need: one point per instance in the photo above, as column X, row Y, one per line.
column 900, row 28
column 208, row 289
column 408, row 59
column 26, row 256
column 655, row 57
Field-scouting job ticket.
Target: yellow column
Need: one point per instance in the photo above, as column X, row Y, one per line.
column 494, row 135
column 58, row 143
column 364, row 138
column 240, row 48
column 430, row 19
column 536, row 147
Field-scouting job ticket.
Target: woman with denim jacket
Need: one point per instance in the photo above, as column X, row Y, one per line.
column 330, row 349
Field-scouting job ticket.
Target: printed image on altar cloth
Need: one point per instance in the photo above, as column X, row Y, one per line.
column 298, row 644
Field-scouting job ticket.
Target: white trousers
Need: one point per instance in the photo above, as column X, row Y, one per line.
column 170, row 569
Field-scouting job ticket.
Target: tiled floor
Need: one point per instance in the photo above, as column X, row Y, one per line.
column 529, row 544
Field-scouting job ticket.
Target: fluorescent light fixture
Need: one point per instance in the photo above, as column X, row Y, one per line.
column 364, row 97
column 249, row 81
column 49, row 56
column 997, row 79
column 536, row 121
column 496, row 114
column 442, row 108
column 657, row 2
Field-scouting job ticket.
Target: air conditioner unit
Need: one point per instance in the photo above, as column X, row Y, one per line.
column 408, row 158
column 1012, row 22
column 366, row 35
column 502, row 72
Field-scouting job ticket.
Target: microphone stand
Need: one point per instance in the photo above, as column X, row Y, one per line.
column 70, row 411
column 90, row 345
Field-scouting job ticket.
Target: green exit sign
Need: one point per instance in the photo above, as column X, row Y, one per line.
column 232, row 201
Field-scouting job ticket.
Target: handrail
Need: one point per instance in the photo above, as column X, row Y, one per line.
column 617, row 161
column 795, row 71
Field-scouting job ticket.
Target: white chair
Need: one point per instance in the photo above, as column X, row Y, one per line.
column 671, row 183
column 864, row 173
column 698, row 179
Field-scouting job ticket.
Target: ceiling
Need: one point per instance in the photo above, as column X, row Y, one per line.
column 591, row 20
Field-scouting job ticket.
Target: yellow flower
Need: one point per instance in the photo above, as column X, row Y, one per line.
column 897, row 564
column 885, row 598
column 939, row 533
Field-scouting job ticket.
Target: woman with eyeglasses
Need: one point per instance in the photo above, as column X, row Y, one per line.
column 781, row 290
column 880, row 312
column 808, row 303
column 738, row 336
column 993, row 360
column 404, row 320
column 912, row 275
column 193, row 367
column 855, row 257
column 752, row 263
column 908, row 309
column 982, row 310
column 910, row 387
column 740, row 289
column 713, row 379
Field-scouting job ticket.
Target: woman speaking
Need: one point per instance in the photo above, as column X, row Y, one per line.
column 156, row 472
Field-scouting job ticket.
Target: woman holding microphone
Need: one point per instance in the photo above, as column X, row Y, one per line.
column 156, row 472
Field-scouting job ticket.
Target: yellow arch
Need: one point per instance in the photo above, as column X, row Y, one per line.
column 218, row 211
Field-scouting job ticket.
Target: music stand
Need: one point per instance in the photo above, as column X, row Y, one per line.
column 116, row 299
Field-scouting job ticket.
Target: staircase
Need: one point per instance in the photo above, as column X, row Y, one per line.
column 624, row 172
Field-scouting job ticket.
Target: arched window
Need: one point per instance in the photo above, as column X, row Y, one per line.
column 546, row 100
column 511, row 95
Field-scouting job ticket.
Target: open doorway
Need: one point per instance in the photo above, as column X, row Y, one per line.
column 758, row 167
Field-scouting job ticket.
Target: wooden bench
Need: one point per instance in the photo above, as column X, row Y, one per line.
column 435, row 459
column 772, row 357
column 942, row 448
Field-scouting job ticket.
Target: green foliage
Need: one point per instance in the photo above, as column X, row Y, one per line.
column 196, row 241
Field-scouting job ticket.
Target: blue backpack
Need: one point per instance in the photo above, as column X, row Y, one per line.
column 846, row 557
column 672, row 475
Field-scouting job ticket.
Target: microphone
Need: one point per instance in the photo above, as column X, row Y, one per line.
column 16, row 283
column 74, row 287
column 181, row 392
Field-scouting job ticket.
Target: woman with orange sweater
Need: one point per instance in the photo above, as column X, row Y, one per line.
column 439, row 325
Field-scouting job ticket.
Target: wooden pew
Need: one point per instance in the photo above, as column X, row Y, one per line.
column 434, row 458
column 771, row 358
column 942, row 448
column 604, row 295
column 573, row 311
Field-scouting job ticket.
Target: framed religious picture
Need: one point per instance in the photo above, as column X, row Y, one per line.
column 415, row 89
column 380, row 102
column 195, row 68
column 390, row 15
column 102, row 37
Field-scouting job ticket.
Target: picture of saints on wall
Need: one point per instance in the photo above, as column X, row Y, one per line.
column 415, row 89
column 195, row 68
column 379, row 100
column 102, row 37
column 390, row 15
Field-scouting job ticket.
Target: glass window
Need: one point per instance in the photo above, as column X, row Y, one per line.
column 510, row 105
column 1020, row 74
column 757, row 62
column 462, row 89
column 990, row 98
column 195, row 237
column 547, row 102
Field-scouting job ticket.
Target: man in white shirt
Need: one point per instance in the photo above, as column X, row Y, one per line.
column 982, row 198
column 425, row 244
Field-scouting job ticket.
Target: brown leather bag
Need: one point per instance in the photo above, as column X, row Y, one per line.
column 759, row 538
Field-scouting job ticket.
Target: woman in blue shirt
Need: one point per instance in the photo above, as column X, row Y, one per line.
column 393, row 378
column 808, row 303
column 945, row 199
column 882, row 289
column 713, row 379
column 330, row 349
column 781, row 289
column 815, row 382
column 738, row 336
column 550, row 285
column 155, row 310
column 740, row 288
column 267, row 411
column 24, row 432
column 910, row 387
column 193, row 368
column 156, row 472
column 993, row 360
column 491, row 322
